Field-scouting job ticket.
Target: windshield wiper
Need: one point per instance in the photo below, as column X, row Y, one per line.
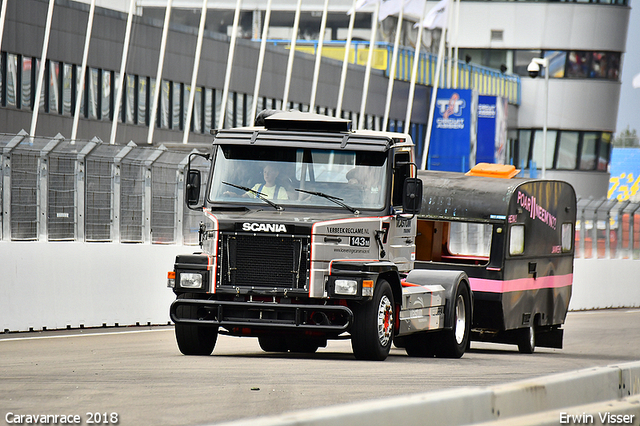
column 259, row 195
column 336, row 200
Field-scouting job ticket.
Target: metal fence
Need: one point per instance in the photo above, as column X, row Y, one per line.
column 52, row 189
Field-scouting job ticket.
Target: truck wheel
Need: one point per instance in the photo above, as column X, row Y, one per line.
column 453, row 343
column 527, row 340
column 272, row 343
column 372, row 332
column 194, row 339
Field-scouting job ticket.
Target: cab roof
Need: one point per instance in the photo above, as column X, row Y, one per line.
column 308, row 130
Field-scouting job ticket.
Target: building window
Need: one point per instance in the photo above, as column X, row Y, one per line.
column 176, row 106
column 143, row 93
column 538, row 147
column 91, row 95
column 588, row 152
column 130, row 99
column 25, row 83
column 521, row 156
column 604, row 152
column 68, row 90
column 12, row 80
column 208, row 109
column 105, row 101
column 164, row 104
column 54, row 87
column 568, row 150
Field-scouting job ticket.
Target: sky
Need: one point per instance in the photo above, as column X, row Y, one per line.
column 629, row 107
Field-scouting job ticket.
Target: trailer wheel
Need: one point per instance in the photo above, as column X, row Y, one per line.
column 372, row 332
column 453, row 343
column 272, row 343
column 527, row 340
column 194, row 339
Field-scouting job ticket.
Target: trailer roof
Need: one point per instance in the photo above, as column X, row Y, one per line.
column 456, row 196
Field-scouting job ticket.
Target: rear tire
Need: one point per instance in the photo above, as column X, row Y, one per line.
column 372, row 333
column 453, row 343
column 194, row 339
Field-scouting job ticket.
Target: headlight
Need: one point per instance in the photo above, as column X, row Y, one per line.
column 346, row 287
column 190, row 280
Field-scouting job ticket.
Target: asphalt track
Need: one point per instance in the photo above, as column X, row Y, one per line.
column 139, row 375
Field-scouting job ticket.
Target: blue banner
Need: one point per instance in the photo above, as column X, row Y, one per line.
column 450, row 147
column 487, row 114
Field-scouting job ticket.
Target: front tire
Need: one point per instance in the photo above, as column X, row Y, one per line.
column 454, row 342
column 372, row 333
column 194, row 339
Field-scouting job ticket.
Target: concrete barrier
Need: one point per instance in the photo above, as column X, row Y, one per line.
column 595, row 392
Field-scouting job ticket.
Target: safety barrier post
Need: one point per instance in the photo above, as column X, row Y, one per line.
column 80, row 186
column 6, row 183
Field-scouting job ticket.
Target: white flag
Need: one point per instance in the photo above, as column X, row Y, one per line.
column 636, row 82
column 412, row 9
column 437, row 17
column 360, row 4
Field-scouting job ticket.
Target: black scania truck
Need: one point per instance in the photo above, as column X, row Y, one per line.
column 312, row 231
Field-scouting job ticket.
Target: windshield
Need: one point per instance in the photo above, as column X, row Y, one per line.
column 296, row 176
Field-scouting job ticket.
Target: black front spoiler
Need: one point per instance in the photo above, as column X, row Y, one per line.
column 263, row 315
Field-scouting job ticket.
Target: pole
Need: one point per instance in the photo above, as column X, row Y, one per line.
column 414, row 70
column 227, row 76
column 394, row 64
column 263, row 45
column 434, row 95
column 83, row 70
column 123, row 66
column 194, row 75
column 545, row 64
column 345, row 61
column 316, row 70
column 367, row 73
column 156, row 92
column 292, row 51
column 43, row 61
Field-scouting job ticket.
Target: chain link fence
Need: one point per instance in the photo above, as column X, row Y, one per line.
column 57, row 190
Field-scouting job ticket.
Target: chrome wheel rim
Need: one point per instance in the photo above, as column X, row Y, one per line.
column 385, row 321
column 461, row 320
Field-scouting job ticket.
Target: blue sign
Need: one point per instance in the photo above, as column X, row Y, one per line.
column 450, row 147
column 624, row 183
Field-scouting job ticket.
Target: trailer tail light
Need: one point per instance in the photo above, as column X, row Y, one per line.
column 171, row 279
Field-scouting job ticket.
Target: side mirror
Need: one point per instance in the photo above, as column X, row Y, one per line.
column 412, row 196
column 192, row 194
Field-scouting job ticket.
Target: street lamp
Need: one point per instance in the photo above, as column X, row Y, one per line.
column 534, row 70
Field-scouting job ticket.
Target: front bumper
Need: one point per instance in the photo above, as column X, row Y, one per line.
column 262, row 315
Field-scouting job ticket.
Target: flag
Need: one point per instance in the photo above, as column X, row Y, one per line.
column 412, row 9
column 636, row 82
column 437, row 17
column 360, row 4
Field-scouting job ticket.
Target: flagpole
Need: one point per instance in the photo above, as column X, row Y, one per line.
column 263, row 45
column 156, row 92
column 316, row 70
column 449, row 50
column 292, row 50
column 123, row 66
column 394, row 63
column 434, row 94
column 227, row 76
column 367, row 75
column 194, row 73
column 455, row 44
column 345, row 61
column 414, row 70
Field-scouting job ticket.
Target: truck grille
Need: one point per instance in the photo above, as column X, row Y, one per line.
column 264, row 261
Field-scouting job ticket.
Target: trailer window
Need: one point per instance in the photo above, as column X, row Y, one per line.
column 567, row 237
column 516, row 240
column 470, row 239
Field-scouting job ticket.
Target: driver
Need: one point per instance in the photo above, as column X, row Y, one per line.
column 270, row 188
